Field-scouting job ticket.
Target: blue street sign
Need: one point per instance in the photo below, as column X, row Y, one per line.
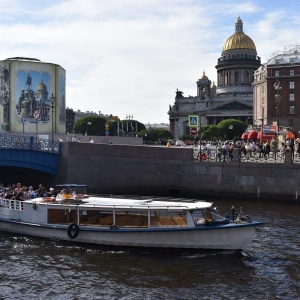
column 23, row 120
column 106, row 132
column 267, row 128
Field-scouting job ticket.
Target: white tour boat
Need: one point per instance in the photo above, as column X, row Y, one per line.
column 127, row 222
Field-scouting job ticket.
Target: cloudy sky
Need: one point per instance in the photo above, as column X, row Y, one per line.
column 128, row 57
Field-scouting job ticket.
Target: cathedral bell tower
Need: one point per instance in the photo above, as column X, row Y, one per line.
column 203, row 87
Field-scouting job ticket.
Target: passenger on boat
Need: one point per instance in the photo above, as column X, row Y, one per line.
column 17, row 189
column 27, row 196
column 20, row 195
column 41, row 191
column 31, row 192
column 9, row 194
column 66, row 193
column 52, row 192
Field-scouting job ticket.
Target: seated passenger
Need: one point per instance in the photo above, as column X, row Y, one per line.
column 39, row 191
column 26, row 195
column 51, row 193
column 20, row 195
column 9, row 194
column 18, row 189
column 66, row 193
column 31, row 192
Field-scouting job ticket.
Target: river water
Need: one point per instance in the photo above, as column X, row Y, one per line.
column 268, row 268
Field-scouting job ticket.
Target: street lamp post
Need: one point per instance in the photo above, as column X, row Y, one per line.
column 262, row 123
column 128, row 117
column 52, row 99
column 277, row 102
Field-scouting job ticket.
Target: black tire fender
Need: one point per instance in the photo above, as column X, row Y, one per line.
column 73, row 231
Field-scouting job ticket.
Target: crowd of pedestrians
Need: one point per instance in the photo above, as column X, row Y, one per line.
column 223, row 151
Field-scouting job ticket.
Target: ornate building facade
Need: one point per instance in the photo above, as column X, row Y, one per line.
column 232, row 98
column 277, row 91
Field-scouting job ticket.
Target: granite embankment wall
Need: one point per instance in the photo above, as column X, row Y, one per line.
column 148, row 170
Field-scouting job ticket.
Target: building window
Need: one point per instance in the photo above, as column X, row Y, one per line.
column 292, row 85
column 277, row 61
column 276, row 73
column 292, row 60
column 236, row 77
column 292, row 110
column 292, row 72
column 292, row 97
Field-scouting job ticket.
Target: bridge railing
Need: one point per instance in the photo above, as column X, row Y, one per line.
column 9, row 141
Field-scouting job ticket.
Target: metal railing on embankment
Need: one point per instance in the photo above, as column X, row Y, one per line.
column 251, row 156
column 8, row 141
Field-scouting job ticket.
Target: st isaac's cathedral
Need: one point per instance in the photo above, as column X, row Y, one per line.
column 232, row 98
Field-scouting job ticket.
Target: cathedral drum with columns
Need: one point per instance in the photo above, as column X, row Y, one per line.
column 232, row 98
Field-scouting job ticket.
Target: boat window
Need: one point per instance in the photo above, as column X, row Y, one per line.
column 96, row 217
column 168, row 218
column 132, row 218
column 198, row 217
column 62, row 216
column 217, row 217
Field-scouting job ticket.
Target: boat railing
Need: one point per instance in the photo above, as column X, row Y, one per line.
column 16, row 205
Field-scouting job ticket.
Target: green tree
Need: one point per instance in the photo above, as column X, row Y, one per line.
column 134, row 127
column 164, row 133
column 203, row 129
column 154, row 134
column 214, row 132
column 95, row 125
column 231, row 128
column 92, row 125
column 205, row 136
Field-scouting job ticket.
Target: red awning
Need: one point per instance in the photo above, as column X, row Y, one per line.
column 290, row 135
column 252, row 135
column 244, row 136
column 266, row 137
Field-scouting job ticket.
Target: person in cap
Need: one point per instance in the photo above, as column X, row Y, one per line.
column 51, row 192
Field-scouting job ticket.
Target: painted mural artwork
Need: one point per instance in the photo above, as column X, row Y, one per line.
column 4, row 95
column 34, row 100
column 62, row 100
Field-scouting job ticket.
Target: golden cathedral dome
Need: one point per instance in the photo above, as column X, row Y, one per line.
column 41, row 87
column 239, row 40
column 204, row 77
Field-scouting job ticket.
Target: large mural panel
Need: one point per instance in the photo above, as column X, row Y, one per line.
column 27, row 90
column 4, row 97
column 34, row 100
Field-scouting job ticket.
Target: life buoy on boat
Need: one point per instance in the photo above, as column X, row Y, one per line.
column 73, row 231
column 47, row 199
column 80, row 196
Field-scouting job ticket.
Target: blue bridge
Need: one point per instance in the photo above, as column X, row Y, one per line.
column 29, row 152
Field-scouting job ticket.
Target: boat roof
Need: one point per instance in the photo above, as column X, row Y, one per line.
column 147, row 204
column 71, row 185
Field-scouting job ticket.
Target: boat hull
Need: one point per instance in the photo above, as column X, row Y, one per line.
column 223, row 237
